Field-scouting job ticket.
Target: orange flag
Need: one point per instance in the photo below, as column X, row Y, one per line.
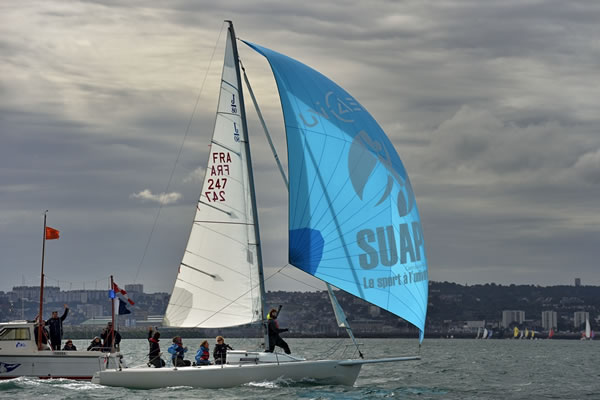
column 52, row 233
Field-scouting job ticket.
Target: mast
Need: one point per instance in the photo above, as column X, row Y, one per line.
column 40, row 317
column 112, row 307
column 251, row 182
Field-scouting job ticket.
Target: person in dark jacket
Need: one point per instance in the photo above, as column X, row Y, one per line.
column 177, row 352
column 69, row 346
column 107, row 338
column 220, row 351
column 95, row 344
column 36, row 330
column 274, row 331
column 154, row 353
column 56, row 329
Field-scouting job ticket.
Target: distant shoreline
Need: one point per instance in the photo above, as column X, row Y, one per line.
column 73, row 332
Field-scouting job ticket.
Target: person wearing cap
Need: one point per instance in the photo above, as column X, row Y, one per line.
column 69, row 346
column 107, row 337
column 177, row 351
column 274, row 331
column 95, row 345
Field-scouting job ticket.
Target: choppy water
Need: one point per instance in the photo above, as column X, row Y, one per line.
column 450, row 369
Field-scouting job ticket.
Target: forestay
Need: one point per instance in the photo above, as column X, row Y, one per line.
column 353, row 220
column 218, row 280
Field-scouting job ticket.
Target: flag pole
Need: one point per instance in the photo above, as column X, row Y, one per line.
column 40, row 319
column 112, row 307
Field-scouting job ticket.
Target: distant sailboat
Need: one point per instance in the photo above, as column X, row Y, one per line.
column 532, row 335
column 515, row 332
column 490, row 333
column 551, row 333
column 587, row 335
column 526, row 333
column 478, row 333
column 485, row 333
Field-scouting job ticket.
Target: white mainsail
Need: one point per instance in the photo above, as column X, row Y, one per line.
column 588, row 329
column 218, row 283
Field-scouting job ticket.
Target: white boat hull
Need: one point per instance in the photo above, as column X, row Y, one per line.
column 19, row 356
column 230, row 375
column 54, row 364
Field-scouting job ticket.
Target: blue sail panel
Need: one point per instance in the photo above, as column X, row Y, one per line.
column 353, row 220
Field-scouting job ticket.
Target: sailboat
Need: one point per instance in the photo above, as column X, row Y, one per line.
column 551, row 333
column 478, row 333
column 353, row 223
column 587, row 334
column 515, row 332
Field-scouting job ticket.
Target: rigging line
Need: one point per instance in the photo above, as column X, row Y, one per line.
column 187, row 129
column 299, row 281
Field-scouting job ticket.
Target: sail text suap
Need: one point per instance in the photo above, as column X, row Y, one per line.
column 387, row 245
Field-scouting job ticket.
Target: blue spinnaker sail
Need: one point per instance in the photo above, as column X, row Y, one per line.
column 353, row 220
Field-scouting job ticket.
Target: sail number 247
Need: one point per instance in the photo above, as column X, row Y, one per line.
column 217, row 181
column 216, row 190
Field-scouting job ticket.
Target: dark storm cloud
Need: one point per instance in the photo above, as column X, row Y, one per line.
column 492, row 107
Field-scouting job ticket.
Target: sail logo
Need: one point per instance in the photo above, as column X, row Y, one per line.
column 236, row 133
column 6, row 367
column 364, row 156
column 338, row 107
column 387, row 246
column 233, row 105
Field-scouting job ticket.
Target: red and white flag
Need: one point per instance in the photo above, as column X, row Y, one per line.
column 118, row 290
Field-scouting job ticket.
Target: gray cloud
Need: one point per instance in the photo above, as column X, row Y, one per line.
column 492, row 107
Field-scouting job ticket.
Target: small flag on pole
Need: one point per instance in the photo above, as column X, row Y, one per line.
column 123, row 308
column 52, row 233
column 122, row 293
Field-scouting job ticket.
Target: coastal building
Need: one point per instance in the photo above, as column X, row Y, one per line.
column 579, row 318
column 134, row 288
column 33, row 292
column 510, row 316
column 549, row 320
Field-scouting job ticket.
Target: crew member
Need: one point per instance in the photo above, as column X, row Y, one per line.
column 154, row 353
column 274, row 331
column 220, row 351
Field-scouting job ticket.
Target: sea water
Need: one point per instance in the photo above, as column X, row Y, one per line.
column 449, row 369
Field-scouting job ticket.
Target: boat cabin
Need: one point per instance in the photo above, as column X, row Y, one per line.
column 17, row 336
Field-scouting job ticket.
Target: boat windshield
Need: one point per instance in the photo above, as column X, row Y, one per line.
column 15, row 334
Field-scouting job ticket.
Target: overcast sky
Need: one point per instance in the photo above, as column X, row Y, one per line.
column 492, row 106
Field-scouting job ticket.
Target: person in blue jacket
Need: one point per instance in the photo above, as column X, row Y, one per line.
column 177, row 351
column 203, row 354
